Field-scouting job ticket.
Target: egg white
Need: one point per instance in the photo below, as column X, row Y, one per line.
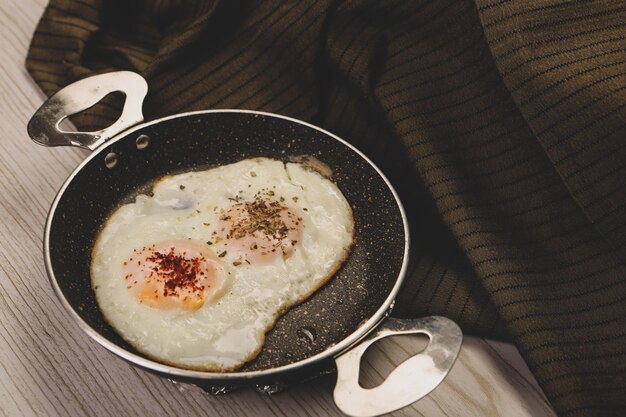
column 223, row 334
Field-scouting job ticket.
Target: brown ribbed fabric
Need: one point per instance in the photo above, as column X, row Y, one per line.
column 501, row 123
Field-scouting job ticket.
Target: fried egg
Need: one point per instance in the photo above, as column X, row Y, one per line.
column 197, row 273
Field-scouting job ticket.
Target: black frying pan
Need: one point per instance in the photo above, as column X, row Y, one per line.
column 314, row 336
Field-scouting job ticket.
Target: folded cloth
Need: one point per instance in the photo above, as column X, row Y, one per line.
column 501, row 123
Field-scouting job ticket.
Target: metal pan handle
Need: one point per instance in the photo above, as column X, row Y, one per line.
column 411, row 380
column 44, row 129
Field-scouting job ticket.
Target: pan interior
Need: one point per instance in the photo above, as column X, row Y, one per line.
column 202, row 140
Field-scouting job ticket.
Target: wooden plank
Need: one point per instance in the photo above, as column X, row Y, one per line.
column 48, row 367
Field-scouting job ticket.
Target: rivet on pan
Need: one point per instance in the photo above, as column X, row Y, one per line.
column 110, row 160
column 142, row 142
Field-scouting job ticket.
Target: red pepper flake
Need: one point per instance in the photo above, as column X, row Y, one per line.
column 176, row 271
column 221, row 255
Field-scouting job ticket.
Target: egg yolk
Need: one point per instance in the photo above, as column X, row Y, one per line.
column 259, row 231
column 173, row 275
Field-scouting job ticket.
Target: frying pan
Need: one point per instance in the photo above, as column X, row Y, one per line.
column 330, row 330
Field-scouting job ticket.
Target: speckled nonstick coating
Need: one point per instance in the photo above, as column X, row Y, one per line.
column 202, row 140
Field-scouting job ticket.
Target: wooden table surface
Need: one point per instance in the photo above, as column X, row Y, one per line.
column 49, row 367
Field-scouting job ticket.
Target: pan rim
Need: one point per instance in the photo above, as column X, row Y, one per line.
column 331, row 352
